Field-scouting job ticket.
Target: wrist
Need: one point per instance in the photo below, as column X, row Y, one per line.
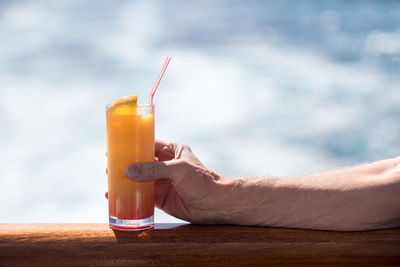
column 233, row 204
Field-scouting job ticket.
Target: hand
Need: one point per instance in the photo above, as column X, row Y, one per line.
column 184, row 187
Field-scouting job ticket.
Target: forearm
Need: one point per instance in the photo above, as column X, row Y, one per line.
column 357, row 198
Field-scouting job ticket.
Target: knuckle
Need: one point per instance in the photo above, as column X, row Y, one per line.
column 169, row 146
column 177, row 147
column 186, row 147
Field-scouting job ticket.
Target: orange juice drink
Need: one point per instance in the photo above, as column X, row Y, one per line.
column 130, row 139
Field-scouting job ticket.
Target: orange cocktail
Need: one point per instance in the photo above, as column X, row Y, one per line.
column 130, row 139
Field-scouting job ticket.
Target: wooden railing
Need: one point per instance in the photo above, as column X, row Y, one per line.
column 188, row 245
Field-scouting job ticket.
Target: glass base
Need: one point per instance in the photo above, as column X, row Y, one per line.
column 131, row 225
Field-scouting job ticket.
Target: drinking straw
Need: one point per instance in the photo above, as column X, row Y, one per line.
column 153, row 91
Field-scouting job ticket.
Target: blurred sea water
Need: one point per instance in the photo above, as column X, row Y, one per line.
column 256, row 88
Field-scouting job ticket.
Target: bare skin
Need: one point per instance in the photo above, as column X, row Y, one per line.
column 351, row 199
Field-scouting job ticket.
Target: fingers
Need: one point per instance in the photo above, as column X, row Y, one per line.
column 106, row 195
column 160, row 145
column 164, row 151
column 150, row 171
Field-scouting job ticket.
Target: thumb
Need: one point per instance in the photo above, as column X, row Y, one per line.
column 150, row 171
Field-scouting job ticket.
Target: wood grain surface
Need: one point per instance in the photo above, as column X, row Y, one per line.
column 193, row 245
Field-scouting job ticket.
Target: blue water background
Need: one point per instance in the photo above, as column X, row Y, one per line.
column 256, row 88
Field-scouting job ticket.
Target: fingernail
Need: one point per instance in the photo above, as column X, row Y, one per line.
column 131, row 172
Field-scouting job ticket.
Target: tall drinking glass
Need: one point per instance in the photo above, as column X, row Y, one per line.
column 130, row 139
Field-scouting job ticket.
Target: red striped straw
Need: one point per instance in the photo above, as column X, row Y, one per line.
column 159, row 80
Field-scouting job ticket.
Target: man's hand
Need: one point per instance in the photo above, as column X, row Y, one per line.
column 363, row 197
column 184, row 187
